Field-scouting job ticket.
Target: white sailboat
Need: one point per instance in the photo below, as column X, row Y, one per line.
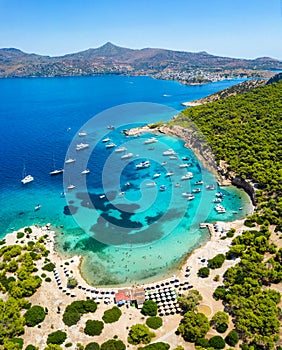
column 26, row 178
column 56, row 171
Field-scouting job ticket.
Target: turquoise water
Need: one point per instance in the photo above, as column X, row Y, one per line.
column 140, row 235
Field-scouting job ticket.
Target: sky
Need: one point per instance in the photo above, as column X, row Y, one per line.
column 233, row 28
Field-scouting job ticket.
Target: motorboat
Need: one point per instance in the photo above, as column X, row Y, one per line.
column 187, row 176
column 200, row 182
column 151, row 184
column 162, row 188
column 150, row 140
column 82, row 146
column 217, row 200
column 220, row 209
column 71, row 187
column 169, row 152
column 102, row 196
column 170, row 173
column 82, row 133
column 185, row 165
column 196, row 190
column 107, row 139
column 110, row 127
column 86, row 171
column 143, row 165
column 37, row 207
column 157, row 175
column 120, row 149
column 210, row 187
column 27, row 179
column 70, row 160
column 173, row 157
column 188, row 195
column 110, row 145
column 127, row 156
column 56, row 172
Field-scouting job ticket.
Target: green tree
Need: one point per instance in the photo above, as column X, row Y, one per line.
column 140, row 334
column 12, row 323
column 31, row 347
column 92, row 346
column 112, row 315
column 93, row 327
column 204, row 272
column 154, row 322
column 217, row 342
column 53, row 347
column 72, row 282
column 190, row 301
column 57, row 337
column 216, row 262
column 219, row 318
column 35, row 315
column 232, row 338
column 113, row 344
column 150, row 308
column 193, row 326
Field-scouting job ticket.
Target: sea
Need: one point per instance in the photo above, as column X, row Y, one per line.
column 134, row 216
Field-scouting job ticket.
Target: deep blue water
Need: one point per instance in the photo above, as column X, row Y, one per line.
column 39, row 121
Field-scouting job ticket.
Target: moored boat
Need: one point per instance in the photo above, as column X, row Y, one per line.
column 157, row 175
column 150, row 140
column 81, row 146
column 169, row 152
column 71, row 187
column 162, row 188
column 82, row 133
column 86, row 171
column 127, row 156
column 120, row 149
column 70, row 160
column 143, row 165
column 27, row 179
column 107, row 139
column 56, row 172
column 110, row 145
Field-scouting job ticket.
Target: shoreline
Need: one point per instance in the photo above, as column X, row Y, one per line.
column 207, row 250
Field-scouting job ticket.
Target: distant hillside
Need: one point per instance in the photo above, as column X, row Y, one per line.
column 234, row 90
column 110, row 58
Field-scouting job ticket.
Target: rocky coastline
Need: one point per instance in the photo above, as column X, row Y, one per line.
column 196, row 141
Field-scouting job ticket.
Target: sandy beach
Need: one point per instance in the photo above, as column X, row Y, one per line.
column 56, row 297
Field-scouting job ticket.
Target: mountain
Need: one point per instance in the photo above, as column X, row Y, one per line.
column 110, row 58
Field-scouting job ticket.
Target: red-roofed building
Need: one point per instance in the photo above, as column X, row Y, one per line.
column 136, row 295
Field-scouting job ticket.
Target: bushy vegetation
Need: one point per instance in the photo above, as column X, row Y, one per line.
column 31, row 347
column 49, row 267
column 140, row 334
column 92, row 346
column 232, row 338
column 216, row 261
column 76, row 309
column 190, row 301
column 35, row 315
column 112, row 315
column 217, row 342
column 193, row 326
column 57, row 337
column 154, row 322
column 150, row 308
column 113, row 344
column 93, row 327
column 20, row 235
column 204, row 272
